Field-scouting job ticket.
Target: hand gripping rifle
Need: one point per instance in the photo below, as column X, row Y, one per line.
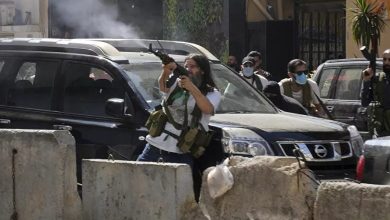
column 165, row 58
column 370, row 57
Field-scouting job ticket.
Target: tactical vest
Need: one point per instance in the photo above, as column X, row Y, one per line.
column 379, row 87
column 306, row 91
column 193, row 137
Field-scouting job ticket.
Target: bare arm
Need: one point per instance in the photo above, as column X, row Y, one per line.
column 202, row 101
column 166, row 70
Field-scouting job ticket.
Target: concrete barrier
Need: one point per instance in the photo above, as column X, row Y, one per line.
column 38, row 181
column 138, row 190
column 264, row 188
column 44, row 175
column 339, row 201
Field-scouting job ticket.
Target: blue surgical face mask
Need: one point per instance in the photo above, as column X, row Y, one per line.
column 247, row 71
column 301, row 79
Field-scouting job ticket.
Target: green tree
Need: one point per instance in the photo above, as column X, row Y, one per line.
column 367, row 23
column 196, row 21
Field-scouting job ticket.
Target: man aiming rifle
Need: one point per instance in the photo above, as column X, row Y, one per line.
column 375, row 95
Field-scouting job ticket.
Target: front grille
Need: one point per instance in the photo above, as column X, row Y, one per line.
column 321, row 151
column 345, row 148
column 318, row 150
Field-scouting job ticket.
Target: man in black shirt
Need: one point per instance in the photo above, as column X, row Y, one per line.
column 233, row 63
column 376, row 95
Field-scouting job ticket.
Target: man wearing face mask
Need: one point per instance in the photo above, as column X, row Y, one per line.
column 247, row 71
column 299, row 87
column 375, row 92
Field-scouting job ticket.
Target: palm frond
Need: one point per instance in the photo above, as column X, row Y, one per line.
column 367, row 22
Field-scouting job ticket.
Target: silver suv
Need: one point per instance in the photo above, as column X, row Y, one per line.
column 340, row 83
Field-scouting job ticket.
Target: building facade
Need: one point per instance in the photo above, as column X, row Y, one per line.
column 24, row 18
column 352, row 49
column 313, row 30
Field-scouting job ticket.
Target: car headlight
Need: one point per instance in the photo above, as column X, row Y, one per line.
column 245, row 142
column 356, row 140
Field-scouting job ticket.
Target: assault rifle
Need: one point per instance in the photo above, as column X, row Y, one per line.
column 165, row 58
column 370, row 57
column 372, row 108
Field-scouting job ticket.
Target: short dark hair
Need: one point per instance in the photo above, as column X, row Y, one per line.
column 293, row 64
column 255, row 53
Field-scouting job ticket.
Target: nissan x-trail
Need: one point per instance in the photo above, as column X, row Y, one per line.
column 104, row 92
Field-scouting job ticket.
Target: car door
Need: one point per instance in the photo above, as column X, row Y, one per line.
column 346, row 99
column 27, row 93
column 85, row 88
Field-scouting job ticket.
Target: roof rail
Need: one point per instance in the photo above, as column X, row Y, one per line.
column 63, row 45
column 349, row 60
column 170, row 47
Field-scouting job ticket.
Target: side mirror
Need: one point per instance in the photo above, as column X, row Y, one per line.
column 116, row 107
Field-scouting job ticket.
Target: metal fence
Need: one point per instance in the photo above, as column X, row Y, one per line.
column 321, row 33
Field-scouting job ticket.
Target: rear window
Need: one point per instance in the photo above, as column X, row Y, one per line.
column 33, row 85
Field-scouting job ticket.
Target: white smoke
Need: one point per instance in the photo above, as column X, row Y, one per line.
column 93, row 18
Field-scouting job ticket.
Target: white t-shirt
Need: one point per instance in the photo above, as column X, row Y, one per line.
column 299, row 95
column 177, row 109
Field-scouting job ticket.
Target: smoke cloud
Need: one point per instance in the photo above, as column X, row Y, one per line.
column 92, row 18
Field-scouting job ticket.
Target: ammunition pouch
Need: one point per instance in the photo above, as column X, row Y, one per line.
column 378, row 119
column 156, row 122
column 194, row 141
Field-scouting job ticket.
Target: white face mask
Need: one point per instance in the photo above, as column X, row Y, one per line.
column 247, row 71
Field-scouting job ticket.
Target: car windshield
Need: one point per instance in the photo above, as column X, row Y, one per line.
column 237, row 95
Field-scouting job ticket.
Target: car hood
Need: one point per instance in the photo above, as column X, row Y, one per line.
column 278, row 122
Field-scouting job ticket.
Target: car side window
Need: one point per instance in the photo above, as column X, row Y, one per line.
column 33, row 85
column 325, row 82
column 87, row 88
column 348, row 84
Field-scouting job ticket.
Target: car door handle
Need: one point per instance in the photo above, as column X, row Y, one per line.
column 5, row 121
column 330, row 108
column 62, row 127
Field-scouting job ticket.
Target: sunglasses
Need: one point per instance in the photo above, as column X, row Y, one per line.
column 302, row 72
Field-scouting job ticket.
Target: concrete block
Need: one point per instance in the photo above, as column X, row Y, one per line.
column 339, row 201
column 137, row 190
column 45, row 175
column 264, row 188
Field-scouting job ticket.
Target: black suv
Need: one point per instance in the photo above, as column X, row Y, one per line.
column 104, row 92
column 340, row 83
